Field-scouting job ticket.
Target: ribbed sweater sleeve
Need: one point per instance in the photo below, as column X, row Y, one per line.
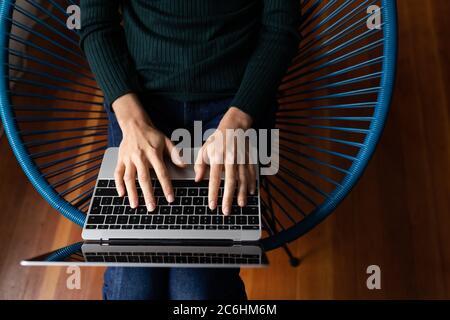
column 276, row 47
column 103, row 41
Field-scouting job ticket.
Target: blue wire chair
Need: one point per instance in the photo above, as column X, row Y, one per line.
column 333, row 102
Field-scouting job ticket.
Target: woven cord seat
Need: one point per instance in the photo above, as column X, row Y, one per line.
column 333, row 103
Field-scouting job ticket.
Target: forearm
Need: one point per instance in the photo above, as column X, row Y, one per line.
column 103, row 41
column 276, row 47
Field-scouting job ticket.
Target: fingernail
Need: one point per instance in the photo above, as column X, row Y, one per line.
column 226, row 210
column 241, row 203
column 150, row 207
column 170, row 198
column 252, row 192
column 212, row 204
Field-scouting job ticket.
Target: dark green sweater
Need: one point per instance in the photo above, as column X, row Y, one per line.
column 191, row 50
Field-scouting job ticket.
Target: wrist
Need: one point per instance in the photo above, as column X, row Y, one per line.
column 239, row 118
column 130, row 112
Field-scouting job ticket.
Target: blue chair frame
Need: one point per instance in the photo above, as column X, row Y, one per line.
column 344, row 73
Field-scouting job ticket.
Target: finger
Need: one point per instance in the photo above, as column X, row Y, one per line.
column 214, row 185
column 200, row 165
column 174, row 153
column 242, row 188
column 118, row 178
column 143, row 173
column 230, row 187
column 130, row 183
column 251, row 179
column 163, row 177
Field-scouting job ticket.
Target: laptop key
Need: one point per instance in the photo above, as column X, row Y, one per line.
column 241, row 220
column 102, row 183
column 129, row 210
column 103, row 227
column 107, row 210
column 253, row 220
column 110, row 219
column 198, row 227
column 177, row 210
column 200, row 210
column 96, row 209
column 119, row 210
column 205, row 219
column 188, row 210
column 106, row 201
column 193, row 192
column 169, row 219
column 162, row 201
column 252, row 201
column 250, row 210
column 91, row 226
column 250, row 227
column 138, row 227
column 235, row 210
column 127, row 227
column 117, row 201
column 141, row 210
column 96, row 219
column 174, row 227
column 158, row 219
column 106, row 192
column 197, row 201
column 112, row 184
column 122, row 220
column 164, row 210
column 134, row 220
column 217, row 219
column 96, row 202
column 203, row 192
column 184, row 227
column 222, row 227
column 193, row 220
column 181, row 220
column 235, row 227
column 211, row 227
column 146, row 220
column 163, row 227
column 181, row 192
column 115, row 227
column 229, row 220
column 186, row 201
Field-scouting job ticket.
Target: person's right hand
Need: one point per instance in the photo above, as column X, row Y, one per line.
column 142, row 147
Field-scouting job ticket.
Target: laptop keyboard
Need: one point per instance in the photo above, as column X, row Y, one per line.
column 173, row 257
column 189, row 211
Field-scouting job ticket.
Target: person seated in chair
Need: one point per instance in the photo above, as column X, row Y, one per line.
column 163, row 65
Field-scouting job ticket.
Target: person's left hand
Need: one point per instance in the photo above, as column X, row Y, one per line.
column 221, row 153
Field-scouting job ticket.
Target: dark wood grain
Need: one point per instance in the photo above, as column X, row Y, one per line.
column 397, row 217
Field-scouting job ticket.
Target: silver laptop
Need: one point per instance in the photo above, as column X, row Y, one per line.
column 111, row 217
column 142, row 254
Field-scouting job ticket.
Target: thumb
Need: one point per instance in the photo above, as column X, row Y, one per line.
column 174, row 153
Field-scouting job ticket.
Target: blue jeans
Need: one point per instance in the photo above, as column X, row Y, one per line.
column 173, row 283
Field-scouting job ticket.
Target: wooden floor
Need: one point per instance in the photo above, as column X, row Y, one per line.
column 398, row 217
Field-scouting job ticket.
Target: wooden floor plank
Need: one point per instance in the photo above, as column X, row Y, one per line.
column 397, row 217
